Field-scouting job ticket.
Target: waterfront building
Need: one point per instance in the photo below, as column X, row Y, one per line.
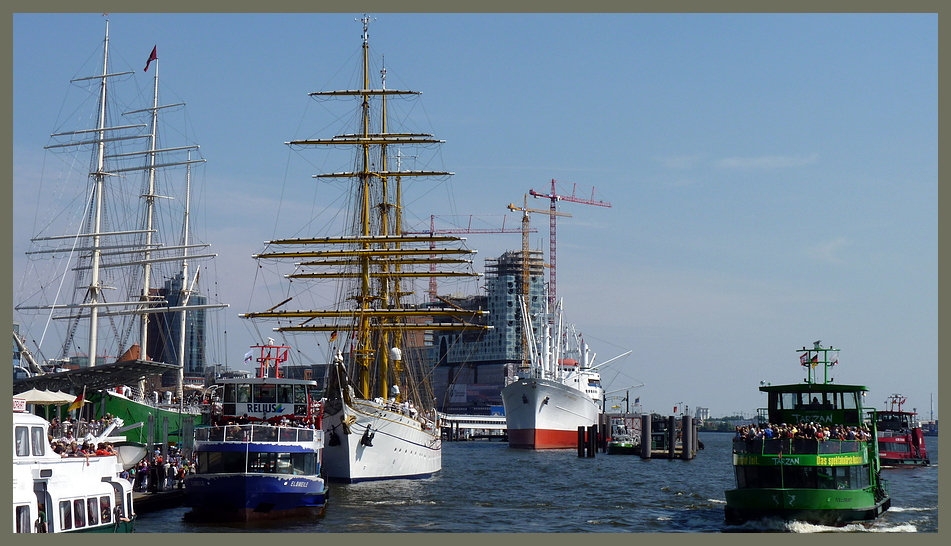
column 472, row 366
column 165, row 328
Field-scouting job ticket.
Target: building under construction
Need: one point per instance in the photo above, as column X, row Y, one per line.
column 471, row 367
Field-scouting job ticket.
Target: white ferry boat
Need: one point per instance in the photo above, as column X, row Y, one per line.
column 54, row 494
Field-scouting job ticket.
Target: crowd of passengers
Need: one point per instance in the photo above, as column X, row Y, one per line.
column 153, row 473
column 161, row 473
column 803, row 430
column 69, row 429
column 70, row 438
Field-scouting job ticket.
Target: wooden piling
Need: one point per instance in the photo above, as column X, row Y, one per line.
column 671, row 435
column 687, row 434
column 646, row 436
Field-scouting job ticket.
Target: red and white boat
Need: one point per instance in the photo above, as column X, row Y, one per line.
column 901, row 441
column 556, row 393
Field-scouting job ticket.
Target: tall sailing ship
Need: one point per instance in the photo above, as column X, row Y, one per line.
column 379, row 418
column 113, row 251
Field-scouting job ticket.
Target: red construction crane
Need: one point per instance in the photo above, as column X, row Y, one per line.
column 555, row 197
column 458, row 229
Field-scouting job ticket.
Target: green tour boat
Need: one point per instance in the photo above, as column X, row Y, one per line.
column 813, row 456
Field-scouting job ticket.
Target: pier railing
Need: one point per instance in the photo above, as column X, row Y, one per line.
column 796, row 446
column 258, row 433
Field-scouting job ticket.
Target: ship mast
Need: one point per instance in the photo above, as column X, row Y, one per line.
column 811, row 361
column 375, row 251
column 98, row 181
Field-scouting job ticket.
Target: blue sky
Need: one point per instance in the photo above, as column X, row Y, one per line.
column 773, row 178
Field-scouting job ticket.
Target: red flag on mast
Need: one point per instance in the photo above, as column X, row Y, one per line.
column 152, row 57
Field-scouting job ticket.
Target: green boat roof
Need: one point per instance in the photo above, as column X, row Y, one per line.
column 813, row 387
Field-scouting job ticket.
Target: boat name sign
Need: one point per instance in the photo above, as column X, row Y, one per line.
column 261, row 407
column 801, row 460
column 811, row 418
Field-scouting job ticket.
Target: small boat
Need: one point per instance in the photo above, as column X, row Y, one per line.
column 625, row 437
column 901, row 441
column 624, row 444
column 813, row 457
column 261, row 459
column 55, row 494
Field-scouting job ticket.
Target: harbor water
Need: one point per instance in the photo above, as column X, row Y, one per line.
column 485, row 486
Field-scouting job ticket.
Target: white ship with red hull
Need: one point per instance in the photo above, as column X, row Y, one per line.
column 556, row 393
column 546, row 414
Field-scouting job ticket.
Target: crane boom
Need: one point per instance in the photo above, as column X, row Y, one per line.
column 555, row 197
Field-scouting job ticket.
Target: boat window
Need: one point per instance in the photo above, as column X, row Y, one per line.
column 788, row 400
column 303, row 463
column 825, row 477
column 65, row 515
column 812, row 400
column 105, row 509
column 92, row 510
column 300, row 394
column 244, row 393
column 262, row 462
column 895, row 447
column 842, row 477
column 758, row 476
column 264, row 393
column 22, row 438
column 860, row 478
column 218, row 462
column 800, row 477
column 23, row 524
column 850, row 400
column 229, row 393
column 285, row 393
column 283, row 463
column 40, row 441
column 79, row 513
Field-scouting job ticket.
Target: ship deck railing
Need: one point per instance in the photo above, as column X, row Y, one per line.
column 887, row 433
column 796, row 446
column 258, row 433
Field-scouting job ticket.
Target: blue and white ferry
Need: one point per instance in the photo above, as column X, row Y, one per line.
column 261, row 458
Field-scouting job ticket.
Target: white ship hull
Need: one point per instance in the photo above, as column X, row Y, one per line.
column 400, row 446
column 546, row 414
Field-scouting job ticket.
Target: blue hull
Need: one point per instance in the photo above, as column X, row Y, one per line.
column 250, row 497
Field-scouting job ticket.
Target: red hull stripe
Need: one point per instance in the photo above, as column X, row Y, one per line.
column 543, row 439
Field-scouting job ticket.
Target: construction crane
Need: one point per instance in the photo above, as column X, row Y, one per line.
column 525, row 258
column 526, row 228
column 457, row 229
column 555, row 197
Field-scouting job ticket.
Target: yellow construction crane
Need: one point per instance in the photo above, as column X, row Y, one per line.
column 526, row 227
